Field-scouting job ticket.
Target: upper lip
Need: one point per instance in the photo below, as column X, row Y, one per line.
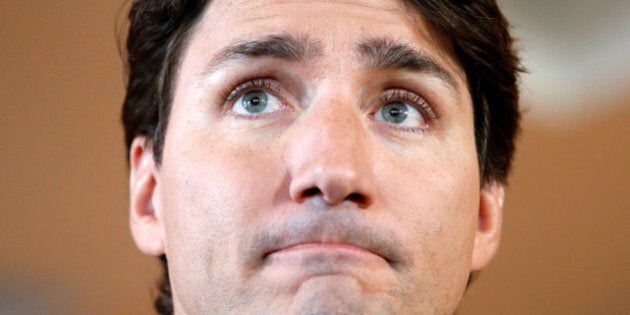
column 327, row 227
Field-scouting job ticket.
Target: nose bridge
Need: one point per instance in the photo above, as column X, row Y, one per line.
column 337, row 130
column 328, row 156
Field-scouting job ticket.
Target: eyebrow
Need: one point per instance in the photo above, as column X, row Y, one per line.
column 283, row 46
column 376, row 53
column 383, row 53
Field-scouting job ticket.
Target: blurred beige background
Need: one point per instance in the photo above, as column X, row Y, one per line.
column 64, row 241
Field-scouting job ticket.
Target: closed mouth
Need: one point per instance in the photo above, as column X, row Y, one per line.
column 325, row 248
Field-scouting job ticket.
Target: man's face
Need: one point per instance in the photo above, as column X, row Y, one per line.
column 319, row 159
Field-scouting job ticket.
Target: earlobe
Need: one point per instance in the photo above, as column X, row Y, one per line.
column 489, row 224
column 144, row 216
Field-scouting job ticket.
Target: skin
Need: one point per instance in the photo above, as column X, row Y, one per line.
column 318, row 205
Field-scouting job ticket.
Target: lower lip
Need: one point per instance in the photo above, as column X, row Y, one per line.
column 318, row 259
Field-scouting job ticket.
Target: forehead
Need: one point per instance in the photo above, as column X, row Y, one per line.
column 337, row 25
column 249, row 10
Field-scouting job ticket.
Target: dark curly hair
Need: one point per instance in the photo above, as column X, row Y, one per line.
column 477, row 31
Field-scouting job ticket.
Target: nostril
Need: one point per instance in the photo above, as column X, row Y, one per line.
column 311, row 192
column 358, row 198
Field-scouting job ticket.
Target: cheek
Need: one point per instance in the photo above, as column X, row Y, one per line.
column 436, row 197
column 215, row 183
column 211, row 190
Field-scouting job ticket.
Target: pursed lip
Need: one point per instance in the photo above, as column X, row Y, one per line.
column 342, row 233
column 326, row 245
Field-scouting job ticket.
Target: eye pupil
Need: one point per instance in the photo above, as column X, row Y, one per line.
column 394, row 112
column 255, row 101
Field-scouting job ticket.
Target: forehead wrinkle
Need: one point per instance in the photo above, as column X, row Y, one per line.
column 387, row 54
column 259, row 7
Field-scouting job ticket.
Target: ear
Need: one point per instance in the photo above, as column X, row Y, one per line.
column 144, row 218
column 489, row 224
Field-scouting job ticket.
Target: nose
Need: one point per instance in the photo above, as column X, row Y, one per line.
column 328, row 156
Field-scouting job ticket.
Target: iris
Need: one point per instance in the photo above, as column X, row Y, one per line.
column 394, row 112
column 255, row 101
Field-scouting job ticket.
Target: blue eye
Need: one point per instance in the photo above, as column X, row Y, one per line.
column 394, row 112
column 401, row 114
column 256, row 102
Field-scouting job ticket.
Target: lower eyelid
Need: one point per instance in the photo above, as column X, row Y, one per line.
column 397, row 129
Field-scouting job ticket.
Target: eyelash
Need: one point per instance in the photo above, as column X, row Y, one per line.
column 260, row 83
column 416, row 101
